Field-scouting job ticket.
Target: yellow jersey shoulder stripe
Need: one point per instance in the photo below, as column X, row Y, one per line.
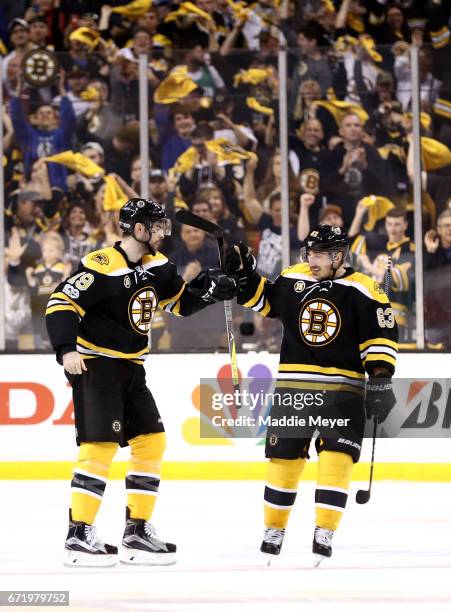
column 365, row 285
column 299, row 271
column 106, row 261
column 150, row 261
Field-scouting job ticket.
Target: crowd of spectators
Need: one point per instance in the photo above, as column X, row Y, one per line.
column 72, row 158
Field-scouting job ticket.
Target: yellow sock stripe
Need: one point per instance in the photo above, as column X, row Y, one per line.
column 257, row 295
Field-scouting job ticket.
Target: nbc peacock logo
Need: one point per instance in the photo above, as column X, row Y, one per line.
column 225, row 415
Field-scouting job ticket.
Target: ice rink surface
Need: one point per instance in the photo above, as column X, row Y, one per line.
column 392, row 554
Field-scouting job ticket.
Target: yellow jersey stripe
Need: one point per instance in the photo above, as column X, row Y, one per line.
column 296, row 367
column 63, row 296
column 107, row 351
column 380, row 357
column 266, row 309
column 176, row 309
column 384, row 341
column 319, row 386
column 257, row 295
column 176, row 297
column 60, row 307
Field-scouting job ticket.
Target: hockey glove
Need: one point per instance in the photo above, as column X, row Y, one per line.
column 379, row 398
column 241, row 264
column 213, row 286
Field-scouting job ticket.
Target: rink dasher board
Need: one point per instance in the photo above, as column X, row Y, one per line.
column 39, row 443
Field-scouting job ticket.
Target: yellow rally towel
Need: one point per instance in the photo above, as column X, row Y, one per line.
column 366, row 41
column 175, row 86
column 134, row 9
column 187, row 8
column 160, row 40
column 338, row 109
column 185, row 161
column 76, row 161
column 345, row 43
column 3, row 49
column 114, row 197
column 256, row 106
column 240, row 10
column 329, row 6
column 253, row 76
column 90, row 94
column 435, row 154
column 227, row 152
column 425, row 119
column 378, row 207
column 87, row 36
column 355, row 22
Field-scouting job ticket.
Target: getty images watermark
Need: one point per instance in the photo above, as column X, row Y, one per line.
column 304, row 409
column 247, row 402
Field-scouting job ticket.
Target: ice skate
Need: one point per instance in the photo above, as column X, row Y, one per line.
column 322, row 547
column 84, row 549
column 272, row 542
column 141, row 545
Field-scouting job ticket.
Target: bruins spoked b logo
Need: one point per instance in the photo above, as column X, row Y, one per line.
column 141, row 309
column 319, row 322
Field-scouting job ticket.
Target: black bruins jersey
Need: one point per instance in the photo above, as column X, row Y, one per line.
column 106, row 307
column 402, row 254
column 333, row 330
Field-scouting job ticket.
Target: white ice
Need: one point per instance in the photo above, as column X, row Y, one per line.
column 392, row 554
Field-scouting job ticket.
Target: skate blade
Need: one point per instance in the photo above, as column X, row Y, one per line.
column 268, row 558
column 140, row 557
column 318, row 559
column 75, row 558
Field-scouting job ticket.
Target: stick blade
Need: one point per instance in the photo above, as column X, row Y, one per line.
column 362, row 496
column 188, row 218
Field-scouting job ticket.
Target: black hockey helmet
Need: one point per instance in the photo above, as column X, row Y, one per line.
column 327, row 238
column 139, row 210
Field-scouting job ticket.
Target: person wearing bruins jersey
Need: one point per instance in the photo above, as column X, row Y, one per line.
column 372, row 251
column 98, row 321
column 338, row 326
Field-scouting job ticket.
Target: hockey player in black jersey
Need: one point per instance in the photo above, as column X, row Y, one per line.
column 98, row 321
column 338, row 326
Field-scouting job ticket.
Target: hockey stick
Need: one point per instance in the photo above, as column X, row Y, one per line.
column 362, row 495
column 188, row 218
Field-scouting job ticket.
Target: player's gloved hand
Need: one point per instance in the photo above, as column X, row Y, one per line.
column 379, row 398
column 213, row 286
column 240, row 262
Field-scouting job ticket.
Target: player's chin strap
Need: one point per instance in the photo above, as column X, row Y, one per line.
column 333, row 256
column 152, row 250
